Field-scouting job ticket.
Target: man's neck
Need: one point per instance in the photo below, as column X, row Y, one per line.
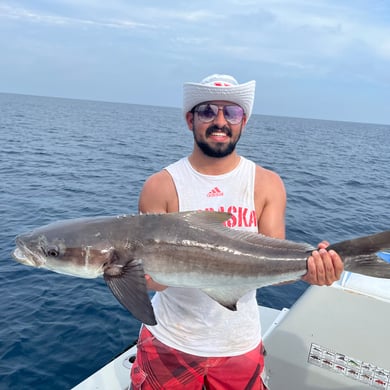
column 213, row 165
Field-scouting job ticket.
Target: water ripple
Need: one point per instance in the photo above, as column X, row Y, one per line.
column 69, row 158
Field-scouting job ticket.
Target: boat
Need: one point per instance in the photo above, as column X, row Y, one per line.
column 334, row 337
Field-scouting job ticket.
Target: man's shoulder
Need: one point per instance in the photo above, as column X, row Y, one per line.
column 268, row 180
column 158, row 193
column 266, row 172
column 159, row 178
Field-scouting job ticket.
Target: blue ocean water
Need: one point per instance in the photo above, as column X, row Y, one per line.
column 63, row 158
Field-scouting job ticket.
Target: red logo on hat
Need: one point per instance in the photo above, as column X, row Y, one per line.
column 221, row 84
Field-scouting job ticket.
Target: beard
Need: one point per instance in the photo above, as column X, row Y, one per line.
column 219, row 149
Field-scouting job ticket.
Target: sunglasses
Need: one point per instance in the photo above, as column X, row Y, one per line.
column 208, row 112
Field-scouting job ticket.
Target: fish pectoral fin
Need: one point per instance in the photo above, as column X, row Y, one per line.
column 226, row 296
column 129, row 287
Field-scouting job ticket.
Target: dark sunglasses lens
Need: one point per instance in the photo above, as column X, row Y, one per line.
column 207, row 112
column 233, row 114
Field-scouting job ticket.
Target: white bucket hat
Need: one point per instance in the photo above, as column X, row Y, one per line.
column 219, row 87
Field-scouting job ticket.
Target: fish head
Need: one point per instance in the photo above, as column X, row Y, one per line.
column 75, row 247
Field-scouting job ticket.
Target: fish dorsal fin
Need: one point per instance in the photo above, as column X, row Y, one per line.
column 214, row 220
column 128, row 285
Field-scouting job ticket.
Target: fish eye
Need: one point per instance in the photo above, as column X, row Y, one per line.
column 52, row 251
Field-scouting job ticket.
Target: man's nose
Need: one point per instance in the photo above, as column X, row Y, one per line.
column 220, row 120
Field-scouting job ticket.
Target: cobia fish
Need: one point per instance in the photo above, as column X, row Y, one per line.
column 186, row 249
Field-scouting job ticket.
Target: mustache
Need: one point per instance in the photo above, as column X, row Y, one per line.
column 214, row 128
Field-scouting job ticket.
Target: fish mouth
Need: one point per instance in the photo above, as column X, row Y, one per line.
column 27, row 257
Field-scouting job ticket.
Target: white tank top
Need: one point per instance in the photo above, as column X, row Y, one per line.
column 188, row 319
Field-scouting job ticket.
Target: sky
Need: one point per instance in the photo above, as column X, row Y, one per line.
column 322, row 59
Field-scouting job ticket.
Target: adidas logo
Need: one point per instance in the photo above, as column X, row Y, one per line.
column 215, row 192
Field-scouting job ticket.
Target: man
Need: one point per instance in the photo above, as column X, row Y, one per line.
column 197, row 342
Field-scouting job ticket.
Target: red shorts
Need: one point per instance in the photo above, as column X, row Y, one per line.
column 158, row 367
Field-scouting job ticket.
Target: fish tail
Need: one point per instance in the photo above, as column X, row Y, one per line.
column 363, row 255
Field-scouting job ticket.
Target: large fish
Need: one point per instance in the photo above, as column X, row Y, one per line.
column 187, row 249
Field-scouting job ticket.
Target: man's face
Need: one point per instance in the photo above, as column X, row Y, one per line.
column 217, row 137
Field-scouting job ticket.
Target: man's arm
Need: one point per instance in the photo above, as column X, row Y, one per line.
column 324, row 267
column 270, row 203
column 158, row 195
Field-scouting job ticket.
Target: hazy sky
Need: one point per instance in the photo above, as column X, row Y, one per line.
column 326, row 59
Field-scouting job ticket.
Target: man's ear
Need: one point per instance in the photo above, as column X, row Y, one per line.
column 190, row 120
column 243, row 121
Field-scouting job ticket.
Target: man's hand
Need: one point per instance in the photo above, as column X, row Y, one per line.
column 323, row 267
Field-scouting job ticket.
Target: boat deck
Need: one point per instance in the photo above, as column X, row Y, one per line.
column 332, row 338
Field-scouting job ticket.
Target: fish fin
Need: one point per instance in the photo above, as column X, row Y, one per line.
column 363, row 255
column 129, row 286
column 216, row 219
column 369, row 265
column 227, row 296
